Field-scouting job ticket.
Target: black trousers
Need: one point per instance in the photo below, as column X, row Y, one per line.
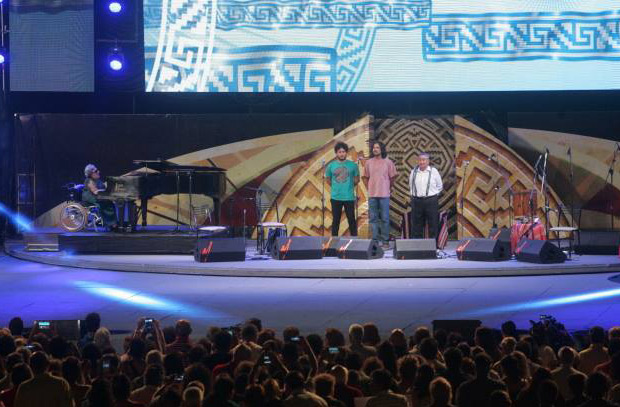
column 349, row 209
column 424, row 211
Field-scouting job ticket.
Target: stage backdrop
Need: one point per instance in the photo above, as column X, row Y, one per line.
column 283, row 156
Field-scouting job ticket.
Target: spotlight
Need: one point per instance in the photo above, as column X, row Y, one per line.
column 3, row 54
column 113, row 6
column 116, row 59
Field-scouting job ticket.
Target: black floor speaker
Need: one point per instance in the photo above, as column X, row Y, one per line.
column 478, row 249
column 330, row 246
column 409, row 249
column 220, row 249
column 597, row 242
column 502, row 234
column 539, row 251
column 298, row 248
column 360, row 249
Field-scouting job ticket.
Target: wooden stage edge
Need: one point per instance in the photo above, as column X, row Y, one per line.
column 387, row 267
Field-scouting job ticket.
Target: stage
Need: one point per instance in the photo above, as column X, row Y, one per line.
column 170, row 253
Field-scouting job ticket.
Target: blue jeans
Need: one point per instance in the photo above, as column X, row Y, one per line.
column 379, row 211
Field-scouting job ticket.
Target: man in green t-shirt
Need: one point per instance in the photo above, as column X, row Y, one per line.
column 342, row 176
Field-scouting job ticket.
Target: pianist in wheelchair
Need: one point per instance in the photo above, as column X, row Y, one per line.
column 92, row 186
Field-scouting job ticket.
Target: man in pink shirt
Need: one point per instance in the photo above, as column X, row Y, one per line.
column 379, row 175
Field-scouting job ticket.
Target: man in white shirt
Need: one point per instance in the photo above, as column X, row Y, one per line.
column 425, row 186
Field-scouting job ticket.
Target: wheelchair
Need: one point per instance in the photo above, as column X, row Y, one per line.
column 76, row 215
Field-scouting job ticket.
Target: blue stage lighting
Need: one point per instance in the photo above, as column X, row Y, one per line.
column 15, row 218
column 1, row 58
column 3, row 55
column 116, row 59
column 115, row 7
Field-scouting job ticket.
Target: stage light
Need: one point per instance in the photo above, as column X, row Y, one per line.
column 116, row 59
column 15, row 218
column 2, row 55
column 115, row 7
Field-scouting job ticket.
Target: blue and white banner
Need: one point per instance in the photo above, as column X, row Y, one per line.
column 381, row 45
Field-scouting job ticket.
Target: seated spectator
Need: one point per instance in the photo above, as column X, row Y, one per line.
column 222, row 392
column 561, row 374
column 72, row 373
column 102, row 338
column 19, row 374
column 508, row 345
column 597, row 386
column 324, row 386
column 10, row 361
column 429, row 350
column 342, row 390
column 476, row 392
column 192, row 397
column 453, row 372
column 16, row 326
column 499, row 398
column 371, row 335
column 153, row 379
column 121, row 390
column 356, row 345
column 290, row 332
column 441, row 393
column 221, row 350
column 198, row 373
column 298, row 396
column 485, row 338
column 381, row 383
column 513, row 375
column 273, row 394
column 92, row 323
column 399, row 341
column 407, row 370
column 242, row 353
column 249, row 337
column 548, row 394
column 100, row 394
column 43, row 389
column 530, row 395
column 254, row 396
column 387, row 355
column 596, row 353
column 182, row 343
column 576, row 384
column 421, row 392
column 132, row 362
column 608, row 367
column 509, row 330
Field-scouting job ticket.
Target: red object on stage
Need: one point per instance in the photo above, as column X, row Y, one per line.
column 531, row 231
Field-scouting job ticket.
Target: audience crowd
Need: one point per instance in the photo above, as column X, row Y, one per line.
column 254, row 366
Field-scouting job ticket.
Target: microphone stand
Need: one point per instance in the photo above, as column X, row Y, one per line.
column 323, row 198
column 571, row 178
column 543, row 188
column 462, row 200
column 610, row 179
column 495, row 188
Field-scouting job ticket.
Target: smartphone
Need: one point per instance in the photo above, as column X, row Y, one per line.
column 30, row 347
column 44, row 325
column 266, row 360
column 295, row 339
column 334, row 350
column 179, row 378
column 105, row 365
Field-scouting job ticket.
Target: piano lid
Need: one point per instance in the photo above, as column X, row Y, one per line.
column 169, row 166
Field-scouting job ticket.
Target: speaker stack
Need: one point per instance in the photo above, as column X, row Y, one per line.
column 414, row 249
column 218, row 250
column 298, row 248
column 478, row 249
column 539, row 251
column 359, row 249
column 330, row 246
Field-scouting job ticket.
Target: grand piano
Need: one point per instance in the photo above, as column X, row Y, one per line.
column 161, row 177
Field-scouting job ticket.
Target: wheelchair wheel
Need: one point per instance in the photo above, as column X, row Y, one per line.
column 73, row 217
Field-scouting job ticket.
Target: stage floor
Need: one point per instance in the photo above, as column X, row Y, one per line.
column 329, row 267
column 39, row 291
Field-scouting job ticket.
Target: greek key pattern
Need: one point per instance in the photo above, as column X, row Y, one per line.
column 281, row 14
column 523, row 36
column 353, row 47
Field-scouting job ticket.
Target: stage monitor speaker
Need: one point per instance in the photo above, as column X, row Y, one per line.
column 478, row 249
column 330, row 246
column 502, row 234
column 597, row 242
column 408, row 249
column 465, row 327
column 220, row 249
column 359, row 249
column 539, row 251
column 298, row 248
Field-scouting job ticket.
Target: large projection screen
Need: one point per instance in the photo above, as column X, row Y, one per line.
column 381, row 45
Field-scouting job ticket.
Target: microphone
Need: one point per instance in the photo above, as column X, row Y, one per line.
column 466, row 163
column 491, row 157
column 537, row 163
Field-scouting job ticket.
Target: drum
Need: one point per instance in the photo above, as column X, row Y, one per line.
column 521, row 201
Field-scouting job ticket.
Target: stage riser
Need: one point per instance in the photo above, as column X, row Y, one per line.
column 106, row 243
